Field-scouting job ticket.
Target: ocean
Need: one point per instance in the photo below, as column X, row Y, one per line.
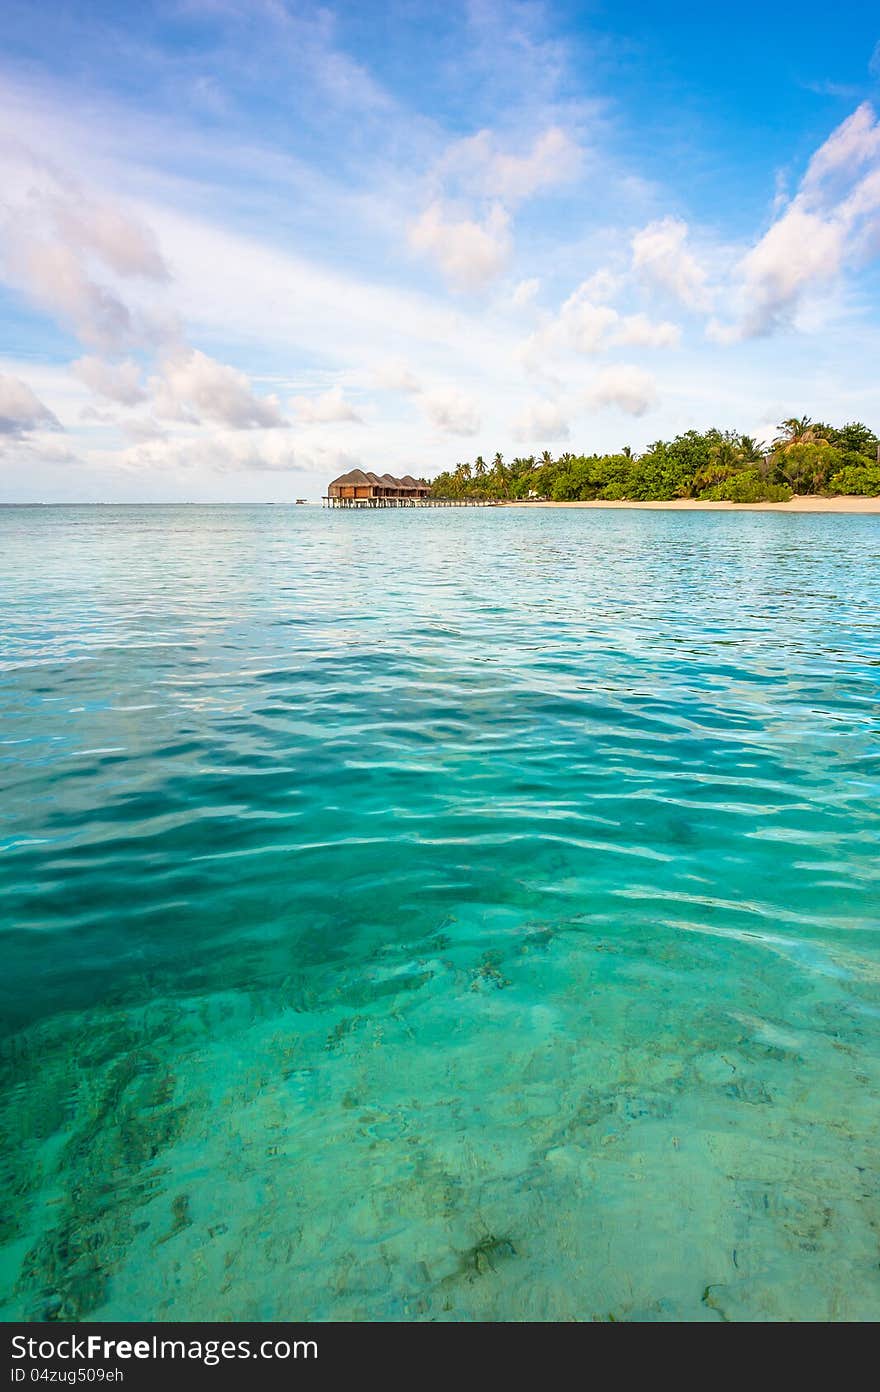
column 439, row 914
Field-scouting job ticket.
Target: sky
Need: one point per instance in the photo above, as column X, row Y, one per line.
column 246, row 245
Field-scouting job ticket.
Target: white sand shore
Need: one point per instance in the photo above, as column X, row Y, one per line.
column 805, row 503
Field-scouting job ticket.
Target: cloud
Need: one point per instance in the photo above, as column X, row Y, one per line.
column 824, row 88
column 193, row 387
column 585, row 327
column 541, row 420
column 60, row 247
column 448, row 409
column 638, row 331
column 53, row 276
column 855, row 143
column 396, row 376
column 601, row 286
column 660, row 256
column 229, row 452
column 104, row 230
column 800, row 251
column 143, row 428
column 629, row 388
column 468, row 253
column 470, row 247
column 331, row 406
column 831, row 224
column 120, row 382
column 452, row 412
column 524, row 293
column 95, row 413
column 478, row 167
column 21, row 412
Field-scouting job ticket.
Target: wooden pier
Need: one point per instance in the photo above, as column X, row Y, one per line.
column 329, row 501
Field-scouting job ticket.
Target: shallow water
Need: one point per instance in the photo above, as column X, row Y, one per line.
column 464, row 914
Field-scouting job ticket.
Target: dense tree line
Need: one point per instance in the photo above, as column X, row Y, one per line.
column 805, row 457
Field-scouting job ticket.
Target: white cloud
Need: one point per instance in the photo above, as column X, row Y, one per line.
column 524, row 292
column 468, row 253
column 585, row 327
column 21, row 412
column 629, row 388
column 853, row 144
column 120, row 382
column 143, row 428
column 477, row 166
column 396, row 376
column 53, row 276
column 231, row 286
column 325, row 409
column 601, row 286
column 660, row 256
column 831, row 224
column 452, row 412
column 104, row 230
column 193, row 387
column 472, row 248
column 230, row 452
column 67, row 251
column 469, row 247
column 541, row 420
column 801, row 250
column 638, row 331
column 103, row 416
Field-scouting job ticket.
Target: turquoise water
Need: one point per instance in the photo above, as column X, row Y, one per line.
column 439, row 915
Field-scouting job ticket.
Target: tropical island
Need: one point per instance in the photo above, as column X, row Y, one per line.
column 717, row 466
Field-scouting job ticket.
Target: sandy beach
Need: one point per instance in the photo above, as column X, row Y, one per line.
column 805, row 503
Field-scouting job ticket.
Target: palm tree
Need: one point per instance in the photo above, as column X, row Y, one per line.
column 751, row 450
column 726, row 453
column 479, row 466
column 797, row 430
column 500, row 475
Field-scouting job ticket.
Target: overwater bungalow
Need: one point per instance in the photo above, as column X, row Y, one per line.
column 360, row 489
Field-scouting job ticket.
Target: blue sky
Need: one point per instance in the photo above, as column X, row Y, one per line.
column 245, row 244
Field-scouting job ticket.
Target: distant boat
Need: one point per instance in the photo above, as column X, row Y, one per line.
column 300, row 501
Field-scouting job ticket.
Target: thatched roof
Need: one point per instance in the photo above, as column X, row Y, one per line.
column 355, row 476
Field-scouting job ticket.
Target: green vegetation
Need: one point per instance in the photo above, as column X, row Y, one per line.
column 805, row 457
